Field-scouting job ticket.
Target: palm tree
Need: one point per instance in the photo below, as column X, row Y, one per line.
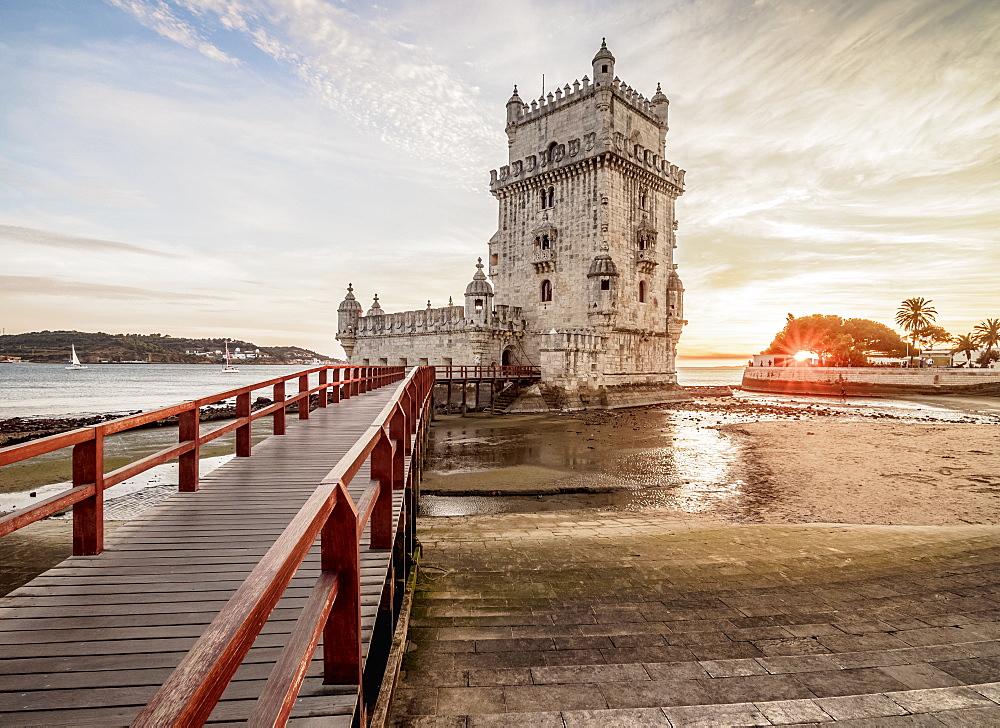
column 913, row 315
column 965, row 344
column 988, row 335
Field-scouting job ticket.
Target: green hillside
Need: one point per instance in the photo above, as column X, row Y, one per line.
column 54, row 346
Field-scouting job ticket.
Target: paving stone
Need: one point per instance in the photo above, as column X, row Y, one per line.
column 424, row 721
column 712, row 716
column 791, row 646
column 436, row 678
column 937, row 636
column 864, row 643
column 971, row 717
column 755, row 687
column 572, row 642
column 859, row 681
column 572, row 657
column 503, row 676
column 733, row 668
column 811, row 630
column 675, row 670
column 991, row 690
column 664, row 653
column 977, row 670
column 548, row 719
column 620, row 718
column 515, row 645
column 588, row 674
column 657, row 693
column 798, row 663
column 926, row 701
column 920, row 675
column 785, row 712
column 733, row 650
column 872, row 659
column 860, row 706
column 415, row 701
column 464, row 701
column 538, row 698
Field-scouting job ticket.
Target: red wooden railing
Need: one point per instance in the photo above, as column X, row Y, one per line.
column 459, row 372
column 333, row 609
column 90, row 481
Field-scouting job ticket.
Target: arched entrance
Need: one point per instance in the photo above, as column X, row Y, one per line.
column 507, row 357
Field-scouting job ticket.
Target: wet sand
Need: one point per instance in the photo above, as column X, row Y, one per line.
column 875, row 472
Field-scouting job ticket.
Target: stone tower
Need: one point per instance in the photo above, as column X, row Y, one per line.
column 586, row 239
column 348, row 314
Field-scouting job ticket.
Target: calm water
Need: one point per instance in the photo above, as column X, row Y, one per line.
column 50, row 390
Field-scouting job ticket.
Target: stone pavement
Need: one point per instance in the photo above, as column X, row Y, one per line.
column 598, row 618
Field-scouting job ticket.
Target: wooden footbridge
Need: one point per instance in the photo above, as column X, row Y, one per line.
column 266, row 592
column 503, row 382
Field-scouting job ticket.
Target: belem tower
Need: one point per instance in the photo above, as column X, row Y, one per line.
column 581, row 280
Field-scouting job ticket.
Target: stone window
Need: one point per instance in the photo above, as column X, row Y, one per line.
column 479, row 304
column 604, row 68
column 544, row 242
column 545, row 199
column 382, row 362
column 402, row 362
column 423, row 362
column 642, row 199
column 546, row 290
column 447, row 361
column 552, row 197
column 605, row 284
column 494, row 259
column 365, row 362
column 550, row 153
column 642, row 291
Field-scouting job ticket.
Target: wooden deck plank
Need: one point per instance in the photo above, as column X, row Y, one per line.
column 89, row 641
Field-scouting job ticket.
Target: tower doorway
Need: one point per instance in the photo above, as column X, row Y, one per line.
column 507, row 357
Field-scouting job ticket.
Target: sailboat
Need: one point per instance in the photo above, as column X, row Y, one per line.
column 76, row 360
column 228, row 368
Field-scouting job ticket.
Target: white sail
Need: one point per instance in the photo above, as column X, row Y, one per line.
column 76, row 359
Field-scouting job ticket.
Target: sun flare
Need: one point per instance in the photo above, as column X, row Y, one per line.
column 803, row 355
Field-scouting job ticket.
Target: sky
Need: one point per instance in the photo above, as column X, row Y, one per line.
column 226, row 167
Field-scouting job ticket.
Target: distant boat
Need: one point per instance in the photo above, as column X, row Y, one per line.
column 76, row 360
column 228, row 368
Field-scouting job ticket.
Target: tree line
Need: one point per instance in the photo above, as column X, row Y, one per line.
column 848, row 342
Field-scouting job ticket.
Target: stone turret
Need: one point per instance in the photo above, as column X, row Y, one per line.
column 604, row 66
column 375, row 310
column 603, row 283
column 348, row 314
column 478, row 297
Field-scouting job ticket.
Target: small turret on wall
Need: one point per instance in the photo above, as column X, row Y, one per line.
column 479, row 298
column 348, row 314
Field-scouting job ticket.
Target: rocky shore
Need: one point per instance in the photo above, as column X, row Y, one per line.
column 16, row 430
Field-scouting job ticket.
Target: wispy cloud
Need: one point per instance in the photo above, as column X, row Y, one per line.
column 159, row 17
column 15, row 234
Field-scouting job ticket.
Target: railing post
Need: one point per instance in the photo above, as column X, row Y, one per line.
column 324, row 394
column 382, row 470
column 406, row 406
column 304, row 402
column 336, row 385
column 355, row 386
column 88, row 514
column 339, row 553
column 278, row 418
column 187, row 464
column 397, row 431
column 243, row 431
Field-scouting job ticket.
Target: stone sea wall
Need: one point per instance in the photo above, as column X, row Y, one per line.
column 870, row 381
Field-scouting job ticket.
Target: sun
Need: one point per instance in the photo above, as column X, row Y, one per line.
column 803, row 355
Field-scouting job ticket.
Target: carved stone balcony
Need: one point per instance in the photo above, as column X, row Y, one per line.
column 544, row 260
column 645, row 260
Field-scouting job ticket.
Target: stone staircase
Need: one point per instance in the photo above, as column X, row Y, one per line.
column 589, row 618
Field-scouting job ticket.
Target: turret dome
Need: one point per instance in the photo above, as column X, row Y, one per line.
column 603, row 54
column 479, row 286
column 350, row 305
column 602, row 265
column 674, row 282
column 375, row 310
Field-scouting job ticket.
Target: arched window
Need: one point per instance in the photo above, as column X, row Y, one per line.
column 479, row 304
column 546, row 290
column 605, row 284
column 552, row 196
column 642, row 199
column 545, row 200
column 642, row 291
column 550, row 153
column 545, row 242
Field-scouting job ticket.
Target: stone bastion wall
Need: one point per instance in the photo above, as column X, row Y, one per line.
column 870, row 381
